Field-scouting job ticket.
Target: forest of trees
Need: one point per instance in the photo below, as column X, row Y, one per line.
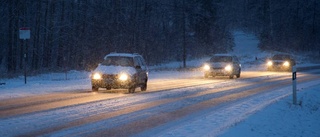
column 77, row 34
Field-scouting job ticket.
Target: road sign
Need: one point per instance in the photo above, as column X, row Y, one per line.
column 24, row 33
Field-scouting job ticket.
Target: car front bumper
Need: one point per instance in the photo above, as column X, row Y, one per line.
column 279, row 68
column 218, row 72
column 107, row 83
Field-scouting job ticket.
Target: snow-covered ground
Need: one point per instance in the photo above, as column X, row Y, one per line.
column 275, row 116
column 282, row 118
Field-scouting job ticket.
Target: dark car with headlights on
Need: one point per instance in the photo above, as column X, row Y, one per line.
column 222, row 65
column 121, row 70
column 280, row 62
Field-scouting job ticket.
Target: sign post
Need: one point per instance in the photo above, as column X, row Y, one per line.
column 24, row 34
column 294, row 84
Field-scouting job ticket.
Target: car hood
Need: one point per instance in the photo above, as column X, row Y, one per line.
column 219, row 64
column 279, row 60
column 115, row 70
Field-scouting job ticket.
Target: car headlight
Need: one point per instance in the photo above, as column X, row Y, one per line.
column 96, row 76
column 206, row 67
column 286, row 63
column 123, row 77
column 228, row 68
column 269, row 63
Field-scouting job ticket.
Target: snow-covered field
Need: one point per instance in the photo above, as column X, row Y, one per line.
column 274, row 116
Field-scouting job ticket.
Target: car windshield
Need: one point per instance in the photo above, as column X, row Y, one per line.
column 281, row 57
column 221, row 59
column 118, row 61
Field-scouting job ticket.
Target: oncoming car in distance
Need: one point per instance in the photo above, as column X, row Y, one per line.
column 121, row 70
column 222, row 65
column 281, row 62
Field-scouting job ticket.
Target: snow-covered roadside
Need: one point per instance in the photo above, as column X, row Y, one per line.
column 45, row 83
column 248, row 117
column 283, row 118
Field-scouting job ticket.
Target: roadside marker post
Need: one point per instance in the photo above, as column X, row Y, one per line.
column 24, row 34
column 294, row 84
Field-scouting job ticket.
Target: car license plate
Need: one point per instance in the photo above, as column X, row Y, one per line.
column 108, row 80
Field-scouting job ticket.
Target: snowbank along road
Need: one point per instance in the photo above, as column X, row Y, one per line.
column 165, row 106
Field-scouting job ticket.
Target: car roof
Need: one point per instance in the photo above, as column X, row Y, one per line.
column 282, row 55
column 122, row 55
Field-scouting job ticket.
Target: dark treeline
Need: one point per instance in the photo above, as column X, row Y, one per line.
column 76, row 34
column 284, row 25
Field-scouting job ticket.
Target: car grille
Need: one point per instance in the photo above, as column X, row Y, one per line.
column 278, row 63
column 109, row 76
column 217, row 68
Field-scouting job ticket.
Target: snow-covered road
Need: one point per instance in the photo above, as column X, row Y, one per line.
column 180, row 105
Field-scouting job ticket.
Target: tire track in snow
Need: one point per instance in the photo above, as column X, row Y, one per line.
column 96, row 113
column 141, row 125
column 13, row 107
column 141, row 115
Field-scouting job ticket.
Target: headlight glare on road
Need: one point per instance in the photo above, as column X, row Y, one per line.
column 286, row 63
column 269, row 63
column 206, row 67
column 123, row 77
column 228, row 68
column 96, row 76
